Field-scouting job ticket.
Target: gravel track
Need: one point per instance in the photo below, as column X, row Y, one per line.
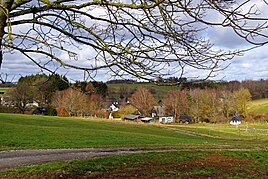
column 15, row 158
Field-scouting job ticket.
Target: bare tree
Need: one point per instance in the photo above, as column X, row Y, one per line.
column 227, row 103
column 22, row 96
column 4, row 78
column 143, row 100
column 140, row 38
column 177, row 103
column 94, row 104
column 71, row 100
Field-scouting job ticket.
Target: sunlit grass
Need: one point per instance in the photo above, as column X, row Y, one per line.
column 259, row 106
column 26, row 131
column 246, row 131
column 30, row 132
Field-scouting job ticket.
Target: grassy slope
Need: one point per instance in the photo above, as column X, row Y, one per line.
column 25, row 131
column 259, row 106
column 246, row 131
column 160, row 91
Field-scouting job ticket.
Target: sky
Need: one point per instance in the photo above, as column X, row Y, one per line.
column 252, row 65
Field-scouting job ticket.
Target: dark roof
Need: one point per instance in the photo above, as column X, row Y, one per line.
column 159, row 110
column 131, row 117
column 236, row 118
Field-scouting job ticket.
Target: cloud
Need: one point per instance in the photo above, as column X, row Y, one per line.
column 253, row 65
column 225, row 38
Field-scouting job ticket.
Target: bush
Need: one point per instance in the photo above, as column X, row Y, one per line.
column 5, row 109
column 124, row 110
column 62, row 112
column 51, row 112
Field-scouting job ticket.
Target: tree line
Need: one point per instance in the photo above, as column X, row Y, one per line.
column 202, row 105
column 55, row 92
column 211, row 103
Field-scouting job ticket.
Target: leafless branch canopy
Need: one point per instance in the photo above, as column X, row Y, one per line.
column 143, row 38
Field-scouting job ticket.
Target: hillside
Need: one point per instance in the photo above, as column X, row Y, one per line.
column 31, row 132
column 259, row 106
column 180, row 151
column 159, row 91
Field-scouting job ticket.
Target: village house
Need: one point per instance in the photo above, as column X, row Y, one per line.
column 160, row 113
column 235, row 120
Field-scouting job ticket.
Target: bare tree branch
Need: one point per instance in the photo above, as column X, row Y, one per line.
column 145, row 39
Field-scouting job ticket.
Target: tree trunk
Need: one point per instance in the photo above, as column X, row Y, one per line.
column 3, row 19
column 5, row 7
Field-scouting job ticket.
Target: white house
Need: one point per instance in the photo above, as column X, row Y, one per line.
column 235, row 120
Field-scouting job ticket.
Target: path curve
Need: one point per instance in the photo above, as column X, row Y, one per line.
column 15, row 158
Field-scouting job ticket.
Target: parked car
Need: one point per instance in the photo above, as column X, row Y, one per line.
column 185, row 119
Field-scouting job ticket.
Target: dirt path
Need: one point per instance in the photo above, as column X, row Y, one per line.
column 15, row 158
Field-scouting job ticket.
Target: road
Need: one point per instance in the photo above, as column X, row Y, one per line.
column 15, row 158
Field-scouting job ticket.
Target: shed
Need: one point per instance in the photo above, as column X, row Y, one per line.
column 131, row 117
column 166, row 119
column 147, row 120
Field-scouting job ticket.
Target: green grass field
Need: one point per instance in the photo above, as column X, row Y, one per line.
column 247, row 156
column 259, row 106
column 3, row 90
column 29, row 132
column 245, row 131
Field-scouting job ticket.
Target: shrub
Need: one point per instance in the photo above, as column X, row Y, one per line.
column 51, row 112
column 62, row 112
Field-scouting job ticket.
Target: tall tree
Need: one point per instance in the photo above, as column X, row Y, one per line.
column 70, row 100
column 204, row 105
column 136, row 37
column 195, row 103
column 227, row 103
column 22, row 95
column 177, row 103
column 143, row 100
column 45, row 86
column 95, row 103
column 242, row 97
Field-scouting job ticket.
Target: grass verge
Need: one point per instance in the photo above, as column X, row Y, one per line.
column 36, row 132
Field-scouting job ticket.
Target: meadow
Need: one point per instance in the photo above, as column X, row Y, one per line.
column 245, row 131
column 36, row 132
column 215, row 150
column 259, row 106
